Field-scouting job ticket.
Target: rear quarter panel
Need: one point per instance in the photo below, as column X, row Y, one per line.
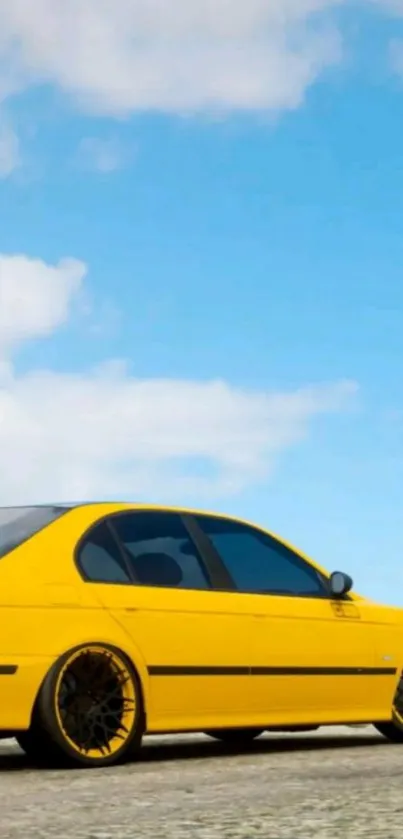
column 45, row 610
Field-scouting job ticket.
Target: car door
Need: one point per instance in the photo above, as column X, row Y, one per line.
column 313, row 659
column 193, row 637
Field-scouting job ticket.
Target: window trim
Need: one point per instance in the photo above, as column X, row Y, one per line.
column 104, row 521
column 323, row 580
column 220, row 577
column 211, row 564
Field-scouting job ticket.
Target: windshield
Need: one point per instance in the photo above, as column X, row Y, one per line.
column 17, row 524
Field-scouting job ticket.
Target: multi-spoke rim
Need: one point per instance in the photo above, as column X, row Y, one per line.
column 95, row 702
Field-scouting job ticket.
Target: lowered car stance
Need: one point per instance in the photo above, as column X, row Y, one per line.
column 120, row 620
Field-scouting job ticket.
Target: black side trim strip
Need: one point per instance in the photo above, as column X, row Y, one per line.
column 323, row 671
column 198, row 671
column 8, row 669
column 165, row 670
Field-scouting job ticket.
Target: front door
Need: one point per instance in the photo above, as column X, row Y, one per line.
column 195, row 640
column 313, row 659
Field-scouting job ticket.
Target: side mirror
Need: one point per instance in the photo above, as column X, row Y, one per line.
column 340, row 584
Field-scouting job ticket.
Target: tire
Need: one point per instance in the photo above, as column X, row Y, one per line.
column 89, row 711
column 393, row 731
column 36, row 746
column 235, row 736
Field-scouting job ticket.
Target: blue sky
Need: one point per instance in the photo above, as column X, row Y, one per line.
column 259, row 246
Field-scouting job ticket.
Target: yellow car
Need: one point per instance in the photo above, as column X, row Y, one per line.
column 119, row 620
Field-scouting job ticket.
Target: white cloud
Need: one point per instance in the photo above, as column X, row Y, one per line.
column 9, row 149
column 103, row 155
column 104, row 433
column 121, row 56
column 117, row 57
column 34, row 297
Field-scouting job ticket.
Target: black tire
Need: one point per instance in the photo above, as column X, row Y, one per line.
column 235, row 736
column 89, row 711
column 393, row 731
column 36, row 746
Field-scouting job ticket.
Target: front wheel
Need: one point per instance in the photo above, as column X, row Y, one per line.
column 235, row 736
column 88, row 712
column 393, row 730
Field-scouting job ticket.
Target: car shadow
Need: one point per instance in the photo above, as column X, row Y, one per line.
column 160, row 752
column 164, row 750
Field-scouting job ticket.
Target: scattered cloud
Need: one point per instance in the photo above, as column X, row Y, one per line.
column 103, row 155
column 121, row 56
column 118, row 57
column 102, row 432
column 34, row 298
column 9, row 149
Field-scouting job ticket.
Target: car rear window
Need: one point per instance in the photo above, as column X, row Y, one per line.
column 17, row 524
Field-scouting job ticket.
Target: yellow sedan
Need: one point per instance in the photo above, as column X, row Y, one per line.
column 119, row 620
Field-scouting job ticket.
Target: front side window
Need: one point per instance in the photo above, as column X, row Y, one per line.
column 258, row 563
column 159, row 550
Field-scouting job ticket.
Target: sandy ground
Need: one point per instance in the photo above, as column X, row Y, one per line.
column 338, row 783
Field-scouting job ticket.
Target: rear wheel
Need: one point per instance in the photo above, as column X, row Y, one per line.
column 235, row 736
column 36, row 746
column 88, row 712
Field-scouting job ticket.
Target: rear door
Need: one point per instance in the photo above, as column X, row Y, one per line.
column 312, row 658
column 168, row 595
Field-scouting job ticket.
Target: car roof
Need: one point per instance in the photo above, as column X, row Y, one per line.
column 158, row 507
column 62, row 505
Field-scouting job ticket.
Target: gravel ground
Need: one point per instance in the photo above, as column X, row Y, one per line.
column 338, row 783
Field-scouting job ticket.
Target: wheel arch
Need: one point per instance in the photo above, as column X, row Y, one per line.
column 129, row 651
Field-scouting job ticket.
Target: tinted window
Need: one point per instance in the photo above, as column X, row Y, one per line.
column 17, row 524
column 100, row 558
column 160, row 551
column 258, row 563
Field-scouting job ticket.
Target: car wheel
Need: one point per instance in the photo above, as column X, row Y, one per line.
column 235, row 736
column 393, row 730
column 89, row 710
column 34, row 745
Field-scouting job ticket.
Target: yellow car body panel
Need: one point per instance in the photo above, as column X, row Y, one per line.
column 205, row 659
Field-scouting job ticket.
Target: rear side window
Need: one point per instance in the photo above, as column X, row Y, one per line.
column 159, row 551
column 147, row 549
column 100, row 558
column 17, row 524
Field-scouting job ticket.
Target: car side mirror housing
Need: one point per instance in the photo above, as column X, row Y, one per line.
column 340, row 584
